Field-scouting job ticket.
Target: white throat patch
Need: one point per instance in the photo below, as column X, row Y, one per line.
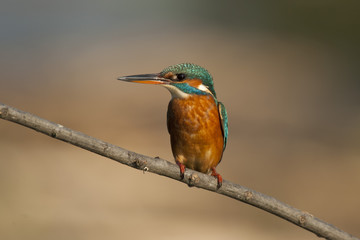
column 175, row 92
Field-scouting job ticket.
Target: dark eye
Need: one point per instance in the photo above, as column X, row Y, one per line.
column 180, row 76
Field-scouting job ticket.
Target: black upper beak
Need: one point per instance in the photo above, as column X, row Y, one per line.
column 145, row 78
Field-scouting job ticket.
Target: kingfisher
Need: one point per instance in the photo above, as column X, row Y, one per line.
column 196, row 121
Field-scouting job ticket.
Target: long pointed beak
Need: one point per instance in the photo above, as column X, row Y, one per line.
column 145, row 78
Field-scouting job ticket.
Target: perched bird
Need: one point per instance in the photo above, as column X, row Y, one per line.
column 197, row 122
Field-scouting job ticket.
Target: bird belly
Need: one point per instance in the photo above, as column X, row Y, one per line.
column 195, row 132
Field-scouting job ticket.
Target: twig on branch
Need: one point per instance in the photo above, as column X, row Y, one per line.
column 170, row 170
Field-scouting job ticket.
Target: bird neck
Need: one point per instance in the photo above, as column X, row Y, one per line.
column 178, row 93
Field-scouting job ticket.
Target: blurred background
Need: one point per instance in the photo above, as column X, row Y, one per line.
column 287, row 71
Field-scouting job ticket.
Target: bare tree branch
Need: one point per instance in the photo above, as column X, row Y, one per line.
column 170, row 170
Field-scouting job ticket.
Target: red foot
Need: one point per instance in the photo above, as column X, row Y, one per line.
column 218, row 176
column 182, row 168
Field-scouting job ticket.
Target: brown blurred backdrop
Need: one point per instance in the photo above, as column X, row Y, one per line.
column 287, row 71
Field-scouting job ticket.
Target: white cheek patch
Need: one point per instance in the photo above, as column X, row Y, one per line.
column 203, row 88
column 175, row 92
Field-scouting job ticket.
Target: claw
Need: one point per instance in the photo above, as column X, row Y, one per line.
column 218, row 177
column 182, row 169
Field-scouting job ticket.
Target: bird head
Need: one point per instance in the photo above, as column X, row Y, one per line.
column 181, row 80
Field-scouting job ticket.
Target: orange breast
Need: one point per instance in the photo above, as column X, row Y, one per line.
column 195, row 132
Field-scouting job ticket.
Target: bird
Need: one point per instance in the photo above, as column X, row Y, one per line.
column 196, row 121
